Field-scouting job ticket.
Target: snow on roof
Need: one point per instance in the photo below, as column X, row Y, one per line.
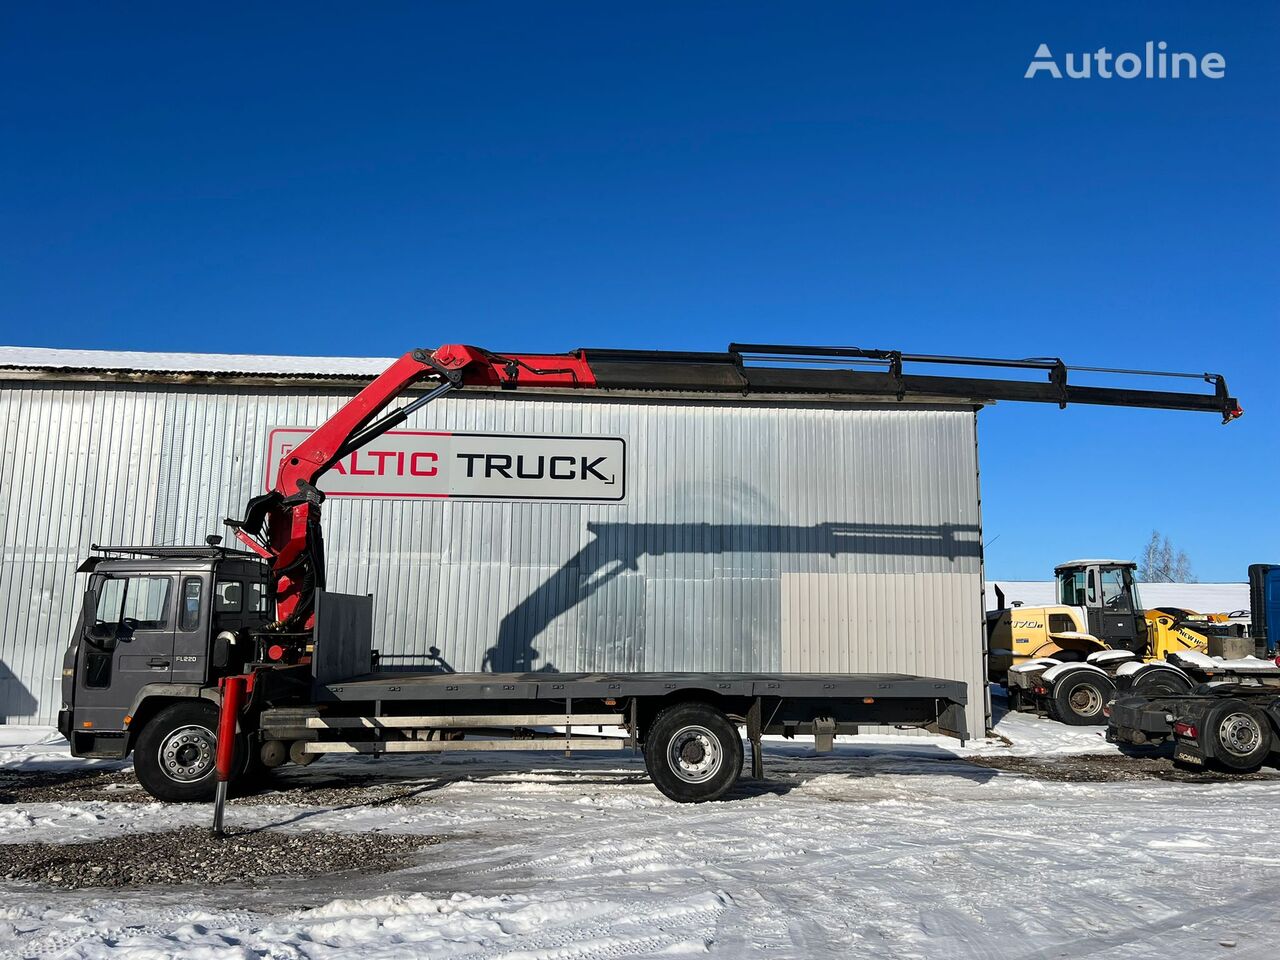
column 1086, row 562
column 1201, row 597
column 139, row 362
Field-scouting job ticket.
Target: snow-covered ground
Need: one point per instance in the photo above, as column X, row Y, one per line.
column 890, row 847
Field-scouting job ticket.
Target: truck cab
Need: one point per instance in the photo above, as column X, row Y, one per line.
column 157, row 624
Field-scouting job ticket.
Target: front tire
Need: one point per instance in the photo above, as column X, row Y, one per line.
column 175, row 756
column 693, row 753
column 1079, row 698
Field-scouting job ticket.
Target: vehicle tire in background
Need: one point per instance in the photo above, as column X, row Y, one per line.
column 693, row 753
column 1161, row 682
column 1079, row 696
column 174, row 757
column 1235, row 736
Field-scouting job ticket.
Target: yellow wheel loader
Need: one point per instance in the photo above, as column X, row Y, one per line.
column 1069, row 659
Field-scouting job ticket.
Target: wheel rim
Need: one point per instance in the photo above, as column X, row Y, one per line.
column 1086, row 701
column 1239, row 734
column 187, row 754
column 694, row 754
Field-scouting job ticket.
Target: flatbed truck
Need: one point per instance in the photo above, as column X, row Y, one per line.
column 338, row 702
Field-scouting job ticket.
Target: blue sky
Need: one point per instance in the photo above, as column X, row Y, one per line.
column 333, row 179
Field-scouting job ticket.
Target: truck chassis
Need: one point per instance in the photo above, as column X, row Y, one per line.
column 1229, row 726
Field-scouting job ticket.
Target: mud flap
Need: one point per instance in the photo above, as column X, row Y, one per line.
column 951, row 722
column 1187, row 751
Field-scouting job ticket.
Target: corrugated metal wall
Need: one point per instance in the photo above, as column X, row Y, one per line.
column 801, row 537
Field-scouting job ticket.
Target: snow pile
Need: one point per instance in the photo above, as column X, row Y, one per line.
column 49, row 358
column 1199, row 661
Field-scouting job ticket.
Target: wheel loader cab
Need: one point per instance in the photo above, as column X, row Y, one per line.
column 1106, row 591
column 155, row 622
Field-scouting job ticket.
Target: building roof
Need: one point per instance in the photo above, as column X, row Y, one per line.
column 1201, row 597
column 221, row 369
column 1096, row 560
column 138, row 364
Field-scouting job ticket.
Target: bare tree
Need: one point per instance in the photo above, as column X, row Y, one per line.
column 1161, row 563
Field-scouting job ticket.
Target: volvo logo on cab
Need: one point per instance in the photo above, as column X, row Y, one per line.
column 483, row 466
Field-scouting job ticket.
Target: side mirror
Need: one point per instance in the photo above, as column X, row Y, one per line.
column 102, row 634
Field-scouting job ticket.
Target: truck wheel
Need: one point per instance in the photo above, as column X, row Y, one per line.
column 1236, row 736
column 1161, row 683
column 1078, row 698
column 693, row 753
column 175, row 754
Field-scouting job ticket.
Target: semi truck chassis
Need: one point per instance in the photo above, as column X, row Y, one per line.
column 1231, row 726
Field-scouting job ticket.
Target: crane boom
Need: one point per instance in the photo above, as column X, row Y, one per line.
column 283, row 525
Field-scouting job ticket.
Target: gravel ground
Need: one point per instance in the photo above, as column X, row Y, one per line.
column 312, row 788
column 288, row 787
column 1112, row 768
column 25, row 786
column 193, row 855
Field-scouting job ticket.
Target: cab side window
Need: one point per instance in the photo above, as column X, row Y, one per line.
column 192, row 594
column 256, row 598
column 228, row 597
column 1071, row 590
column 135, row 603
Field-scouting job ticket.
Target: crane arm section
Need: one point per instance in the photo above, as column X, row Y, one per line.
column 283, row 525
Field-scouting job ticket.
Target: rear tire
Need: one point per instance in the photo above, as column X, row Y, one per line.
column 1236, row 737
column 1079, row 697
column 1161, row 683
column 693, row 753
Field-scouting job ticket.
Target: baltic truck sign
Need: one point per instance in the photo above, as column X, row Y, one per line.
column 489, row 466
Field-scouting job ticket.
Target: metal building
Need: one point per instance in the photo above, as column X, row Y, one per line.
column 805, row 536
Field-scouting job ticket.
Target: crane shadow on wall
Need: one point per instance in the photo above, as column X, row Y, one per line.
column 614, row 550
column 16, row 701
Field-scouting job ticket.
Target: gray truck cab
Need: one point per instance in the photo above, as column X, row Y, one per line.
column 157, row 624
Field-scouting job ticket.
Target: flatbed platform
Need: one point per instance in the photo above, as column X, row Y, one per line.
column 389, row 686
